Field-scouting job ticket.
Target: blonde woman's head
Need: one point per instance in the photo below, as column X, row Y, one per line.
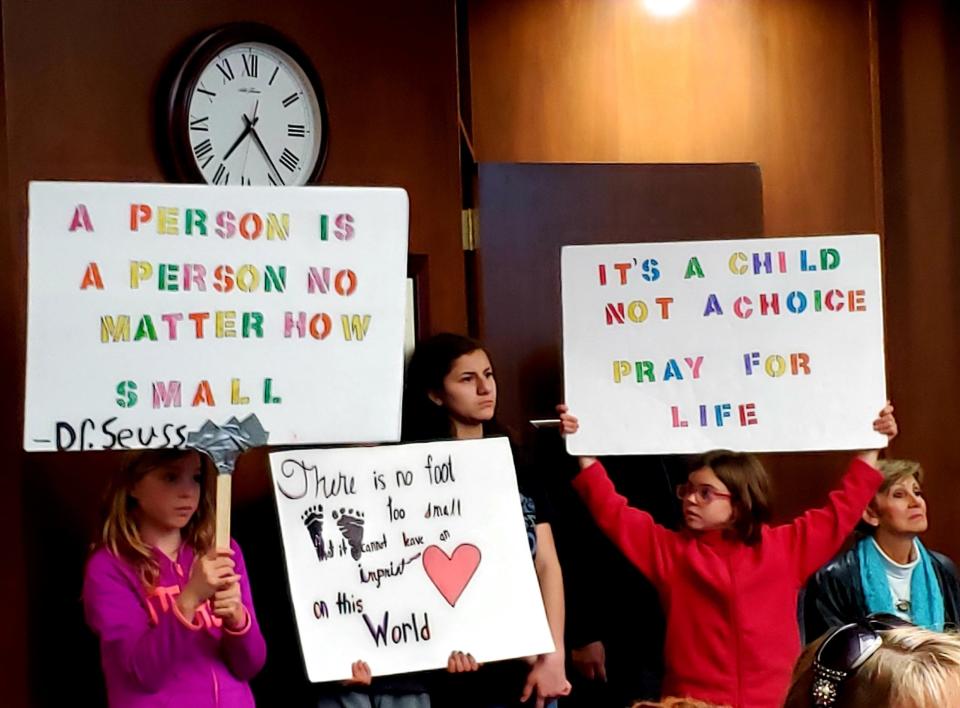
column 899, row 506
column 912, row 668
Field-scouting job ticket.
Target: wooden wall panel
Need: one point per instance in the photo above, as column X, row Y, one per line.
column 529, row 211
column 79, row 81
column 850, row 107
column 782, row 84
column 921, row 146
column 13, row 594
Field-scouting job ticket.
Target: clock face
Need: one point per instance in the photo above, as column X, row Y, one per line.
column 254, row 118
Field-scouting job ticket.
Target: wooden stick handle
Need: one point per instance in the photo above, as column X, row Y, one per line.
column 224, row 482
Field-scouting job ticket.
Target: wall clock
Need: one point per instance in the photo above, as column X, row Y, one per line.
column 244, row 107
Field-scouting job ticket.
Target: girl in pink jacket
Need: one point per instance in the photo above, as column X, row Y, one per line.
column 174, row 616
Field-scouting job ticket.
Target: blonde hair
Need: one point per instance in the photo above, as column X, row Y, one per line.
column 913, row 668
column 895, row 471
column 119, row 532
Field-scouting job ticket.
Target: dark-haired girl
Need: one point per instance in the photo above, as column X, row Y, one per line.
column 451, row 392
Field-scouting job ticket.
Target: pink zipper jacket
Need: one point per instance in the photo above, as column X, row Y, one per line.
column 154, row 656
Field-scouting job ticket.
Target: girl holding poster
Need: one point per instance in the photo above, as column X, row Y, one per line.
column 729, row 582
column 174, row 616
column 451, row 391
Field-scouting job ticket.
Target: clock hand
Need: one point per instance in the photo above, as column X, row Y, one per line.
column 242, row 136
column 246, row 152
column 263, row 149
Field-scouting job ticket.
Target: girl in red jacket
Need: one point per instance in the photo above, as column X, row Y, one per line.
column 729, row 582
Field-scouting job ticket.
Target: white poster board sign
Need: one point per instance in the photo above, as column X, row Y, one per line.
column 153, row 308
column 398, row 555
column 759, row 345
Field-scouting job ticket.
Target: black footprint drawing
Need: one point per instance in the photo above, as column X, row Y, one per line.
column 350, row 523
column 313, row 520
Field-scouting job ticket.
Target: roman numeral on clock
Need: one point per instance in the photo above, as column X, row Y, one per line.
column 199, row 124
column 289, row 160
column 221, row 176
column 296, row 131
column 291, row 99
column 202, row 150
column 226, row 70
column 250, row 65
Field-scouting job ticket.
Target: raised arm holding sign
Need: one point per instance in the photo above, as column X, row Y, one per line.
column 771, row 344
column 727, row 552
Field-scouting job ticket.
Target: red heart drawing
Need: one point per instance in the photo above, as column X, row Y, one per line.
column 451, row 574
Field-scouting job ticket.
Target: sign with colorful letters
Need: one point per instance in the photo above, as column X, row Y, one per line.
column 153, row 308
column 398, row 555
column 760, row 345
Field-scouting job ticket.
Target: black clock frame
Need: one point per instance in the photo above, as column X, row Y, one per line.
column 185, row 70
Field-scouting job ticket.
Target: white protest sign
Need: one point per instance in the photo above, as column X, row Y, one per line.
column 761, row 344
column 153, row 308
column 398, row 555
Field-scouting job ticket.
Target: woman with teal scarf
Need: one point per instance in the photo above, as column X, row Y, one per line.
column 888, row 569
